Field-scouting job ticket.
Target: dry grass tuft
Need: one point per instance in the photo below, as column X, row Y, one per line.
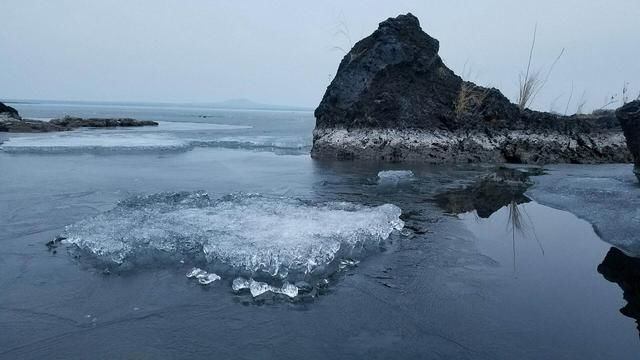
column 532, row 81
column 470, row 98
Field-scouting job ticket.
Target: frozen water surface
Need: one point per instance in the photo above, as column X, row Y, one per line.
column 465, row 287
column 394, row 176
column 90, row 141
column 608, row 196
column 242, row 232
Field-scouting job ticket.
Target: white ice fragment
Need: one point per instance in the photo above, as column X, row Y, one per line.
column 239, row 284
column 204, row 278
column 208, row 278
column 348, row 263
column 195, row 272
column 258, row 288
column 289, row 289
column 394, row 176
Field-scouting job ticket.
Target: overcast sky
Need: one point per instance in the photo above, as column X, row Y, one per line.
column 280, row 52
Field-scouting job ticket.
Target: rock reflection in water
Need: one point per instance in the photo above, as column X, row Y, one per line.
column 625, row 271
column 504, row 187
column 490, row 193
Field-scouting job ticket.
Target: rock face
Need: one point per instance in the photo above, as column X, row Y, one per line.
column 629, row 117
column 394, row 99
column 8, row 112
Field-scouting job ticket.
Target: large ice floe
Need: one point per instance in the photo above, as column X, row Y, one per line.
column 249, row 235
column 97, row 142
column 608, row 196
column 116, row 142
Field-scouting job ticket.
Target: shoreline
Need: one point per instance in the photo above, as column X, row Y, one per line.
column 440, row 146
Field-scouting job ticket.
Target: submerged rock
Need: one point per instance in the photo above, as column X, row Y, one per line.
column 393, row 98
column 629, row 117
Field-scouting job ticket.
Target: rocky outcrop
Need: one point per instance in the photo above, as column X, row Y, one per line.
column 18, row 125
column 394, row 99
column 629, row 117
column 7, row 111
column 76, row 122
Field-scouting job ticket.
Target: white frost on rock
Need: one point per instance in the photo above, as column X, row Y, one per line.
column 250, row 233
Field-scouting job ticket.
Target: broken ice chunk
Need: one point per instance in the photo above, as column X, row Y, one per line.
column 258, row 288
column 204, row 278
column 208, row 278
column 344, row 263
column 289, row 289
column 195, row 272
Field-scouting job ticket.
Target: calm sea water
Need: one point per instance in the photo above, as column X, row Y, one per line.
column 478, row 271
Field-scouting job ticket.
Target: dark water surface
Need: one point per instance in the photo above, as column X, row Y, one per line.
column 479, row 271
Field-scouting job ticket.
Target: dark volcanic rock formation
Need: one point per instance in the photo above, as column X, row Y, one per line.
column 394, row 99
column 8, row 112
column 629, row 117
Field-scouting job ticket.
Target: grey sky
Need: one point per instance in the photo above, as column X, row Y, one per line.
column 281, row 51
